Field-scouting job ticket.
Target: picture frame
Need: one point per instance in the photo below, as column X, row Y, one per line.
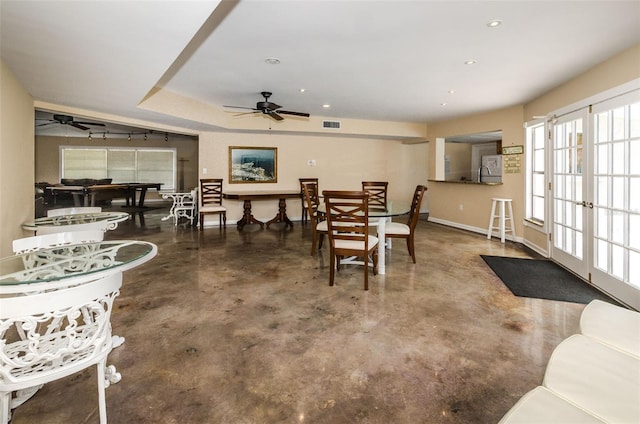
column 253, row 164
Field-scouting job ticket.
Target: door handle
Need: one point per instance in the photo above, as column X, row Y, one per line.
column 590, row 204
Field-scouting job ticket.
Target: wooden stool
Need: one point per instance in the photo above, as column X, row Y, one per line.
column 502, row 219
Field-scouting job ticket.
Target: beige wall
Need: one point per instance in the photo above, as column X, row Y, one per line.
column 469, row 205
column 619, row 69
column 446, row 198
column 47, row 155
column 16, row 159
column 342, row 163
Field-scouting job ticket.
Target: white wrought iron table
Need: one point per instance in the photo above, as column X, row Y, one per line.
column 113, row 219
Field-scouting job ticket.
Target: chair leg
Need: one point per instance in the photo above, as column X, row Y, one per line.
column 321, row 239
column 332, row 267
column 224, row 219
column 201, row 221
column 412, row 248
column 366, row 272
column 5, row 404
column 375, row 261
column 102, row 402
column 313, row 243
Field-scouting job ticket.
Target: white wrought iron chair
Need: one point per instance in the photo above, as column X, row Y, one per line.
column 29, row 244
column 89, row 226
column 185, row 205
column 67, row 331
column 73, row 211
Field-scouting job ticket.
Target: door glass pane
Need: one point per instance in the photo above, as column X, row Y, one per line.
column 617, row 261
column 602, row 223
column 617, row 192
column 603, row 159
column 634, row 120
column 634, row 231
column 602, row 256
column 634, row 156
column 618, row 123
column 634, row 268
column 617, row 227
column 634, row 198
column 577, row 237
column 602, row 127
column 618, row 158
column 601, row 191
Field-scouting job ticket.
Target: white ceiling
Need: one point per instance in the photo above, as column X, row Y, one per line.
column 376, row 60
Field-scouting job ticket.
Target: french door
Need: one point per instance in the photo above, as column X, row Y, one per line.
column 596, row 195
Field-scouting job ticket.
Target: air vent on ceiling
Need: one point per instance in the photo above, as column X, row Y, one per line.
column 332, row 125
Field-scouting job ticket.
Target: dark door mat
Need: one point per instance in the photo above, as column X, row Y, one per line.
column 543, row 279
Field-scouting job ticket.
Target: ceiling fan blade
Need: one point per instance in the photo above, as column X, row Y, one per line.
column 246, row 113
column 46, row 123
column 97, row 124
column 274, row 115
column 76, row 125
column 288, row 112
column 241, row 107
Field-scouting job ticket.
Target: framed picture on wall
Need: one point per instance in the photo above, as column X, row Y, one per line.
column 253, row 164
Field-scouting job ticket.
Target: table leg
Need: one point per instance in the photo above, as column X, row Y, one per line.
column 248, row 217
column 381, row 246
column 143, row 193
column 282, row 214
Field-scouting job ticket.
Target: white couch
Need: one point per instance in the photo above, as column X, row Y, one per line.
column 592, row 377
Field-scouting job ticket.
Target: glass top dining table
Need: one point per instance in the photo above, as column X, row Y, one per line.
column 394, row 208
column 61, row 266
column 113, row 219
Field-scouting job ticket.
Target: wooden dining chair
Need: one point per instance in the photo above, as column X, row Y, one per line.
column 407, row 231
column 377, row 191
column 211, row 201
column 305, row 213
column 319, row 225
column 348, row 226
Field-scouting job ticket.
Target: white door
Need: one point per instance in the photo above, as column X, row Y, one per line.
column 616, row 197
column 569, row 207
column 596, row 195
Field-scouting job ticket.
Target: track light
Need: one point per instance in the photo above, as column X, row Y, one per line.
column 89, row 135
column 166, row 136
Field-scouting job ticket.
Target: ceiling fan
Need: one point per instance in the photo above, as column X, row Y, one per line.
column 270, row 108
column 68, row 120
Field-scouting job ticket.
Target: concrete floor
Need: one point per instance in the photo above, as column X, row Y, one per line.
column 230, row 327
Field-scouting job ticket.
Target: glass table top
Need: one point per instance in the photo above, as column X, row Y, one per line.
column 394, row 208
column 72, row 263
column 74, row 219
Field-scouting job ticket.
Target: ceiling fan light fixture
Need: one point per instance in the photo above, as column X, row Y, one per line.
column 494, row 23
column 326, row 105
column 272, row 61
column 470, row 62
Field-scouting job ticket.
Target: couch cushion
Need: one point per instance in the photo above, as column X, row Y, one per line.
column 541, row 405
column 600, row 379
column 613, row 325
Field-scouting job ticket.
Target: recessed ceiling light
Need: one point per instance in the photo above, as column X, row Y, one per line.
column 443, row 104
column 494, row 23
column 302, row 90
column 326, row 106
column 470, row 62
column 272, row 60
column 451, row 91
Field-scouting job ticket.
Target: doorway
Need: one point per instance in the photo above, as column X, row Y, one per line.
column 595, row 170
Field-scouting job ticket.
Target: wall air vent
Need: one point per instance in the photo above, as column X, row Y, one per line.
column 331, row 125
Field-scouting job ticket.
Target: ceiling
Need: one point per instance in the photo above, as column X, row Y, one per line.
column 374, row 60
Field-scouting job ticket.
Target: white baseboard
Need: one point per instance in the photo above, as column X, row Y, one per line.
column 471, row 228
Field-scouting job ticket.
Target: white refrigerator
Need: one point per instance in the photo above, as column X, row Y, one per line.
column 491, row 169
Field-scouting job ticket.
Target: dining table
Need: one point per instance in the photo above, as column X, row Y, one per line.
column 112, row 218
column 248, row 196
column 60, row 266
column 378, row 217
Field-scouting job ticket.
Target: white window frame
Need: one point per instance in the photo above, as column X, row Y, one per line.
column 530, row 220
column 166, row 185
